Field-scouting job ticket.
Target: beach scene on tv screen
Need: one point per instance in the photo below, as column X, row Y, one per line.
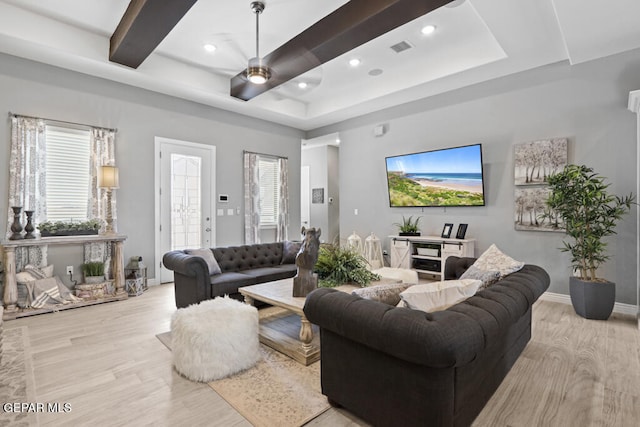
column 450, row 177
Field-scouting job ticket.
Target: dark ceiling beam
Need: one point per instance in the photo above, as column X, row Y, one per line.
column 142, row 27
column 346, row 28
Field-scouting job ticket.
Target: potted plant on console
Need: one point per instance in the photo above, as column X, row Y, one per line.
column 589, row 213
column 93, row 272
column 69, row 228
column 408, row 227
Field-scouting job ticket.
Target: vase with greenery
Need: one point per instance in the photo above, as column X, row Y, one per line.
column 408, row 227
column 589, row 213
column 337, row 266
column 93, row 272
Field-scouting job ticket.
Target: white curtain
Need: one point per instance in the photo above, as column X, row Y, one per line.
column 251, row 199
column 282, row 230
column 27, row 173
column 102, row 153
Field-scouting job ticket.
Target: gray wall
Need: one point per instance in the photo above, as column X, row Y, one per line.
column 35, row 89
column 586, row 103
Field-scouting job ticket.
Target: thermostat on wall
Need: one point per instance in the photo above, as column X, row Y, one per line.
column 223, row 198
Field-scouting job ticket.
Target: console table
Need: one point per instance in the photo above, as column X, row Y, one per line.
column 10, row 297
column 427, row 254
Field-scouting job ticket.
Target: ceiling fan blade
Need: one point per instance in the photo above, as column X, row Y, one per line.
column 346, row 28
column 142, row 27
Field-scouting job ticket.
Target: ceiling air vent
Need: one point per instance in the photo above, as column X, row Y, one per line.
column 401, row 47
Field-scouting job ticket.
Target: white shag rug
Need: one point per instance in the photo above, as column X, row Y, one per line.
column 214, row 339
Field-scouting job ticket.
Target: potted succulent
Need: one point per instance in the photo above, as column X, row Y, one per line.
column 93, row 272
column 589, row 213
column 408, row 227
column 337, row 266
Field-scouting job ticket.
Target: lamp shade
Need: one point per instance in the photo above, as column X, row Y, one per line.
column 108, row 177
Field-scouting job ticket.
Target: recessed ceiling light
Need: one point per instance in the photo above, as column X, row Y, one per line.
column 337, row 140
column 302, row 85
column 428, row 29
column 354, row 62
column 375, row 72
column 210, row 47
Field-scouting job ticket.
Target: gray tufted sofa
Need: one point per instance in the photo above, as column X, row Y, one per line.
column 241, row 266
column 401, row 367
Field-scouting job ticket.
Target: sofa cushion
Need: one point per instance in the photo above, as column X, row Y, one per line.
column 487, row 277
column 494, row 259
column 267, row 274
column 289, row 252
column 228, row 283
column 291, row 269
column 239, row 258
column 438, row 296
column 389, row 293
column 208, row 257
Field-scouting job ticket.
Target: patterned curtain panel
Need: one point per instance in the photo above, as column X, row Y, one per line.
column 251, row 199
column 27, row 171
column 27, row 181
column 102, row 153
column 282, row 232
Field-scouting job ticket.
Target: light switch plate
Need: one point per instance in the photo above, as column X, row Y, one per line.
column 220, row 212
column 230, row 211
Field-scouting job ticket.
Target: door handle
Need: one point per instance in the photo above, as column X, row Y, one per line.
column 207, row 229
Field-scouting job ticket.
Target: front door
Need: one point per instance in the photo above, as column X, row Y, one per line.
column 185, row 198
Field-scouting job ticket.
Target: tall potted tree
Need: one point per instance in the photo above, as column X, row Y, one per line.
column 589, row 213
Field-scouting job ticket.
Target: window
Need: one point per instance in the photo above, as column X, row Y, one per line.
column 269, row 173
column 68, row 154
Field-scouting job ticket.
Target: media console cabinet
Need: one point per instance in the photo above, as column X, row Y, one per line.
column 427, row 254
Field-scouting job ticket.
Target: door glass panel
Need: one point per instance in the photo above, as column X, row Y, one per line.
column 186, row 194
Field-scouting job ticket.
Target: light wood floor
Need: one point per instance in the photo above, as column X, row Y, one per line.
column 106, row 361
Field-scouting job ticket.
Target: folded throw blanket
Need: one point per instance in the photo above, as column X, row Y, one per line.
column 48, row 292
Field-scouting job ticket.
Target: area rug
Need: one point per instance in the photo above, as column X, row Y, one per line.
column 17, row 384
column 278, row 391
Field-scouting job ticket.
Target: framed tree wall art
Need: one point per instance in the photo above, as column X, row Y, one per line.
column 536, row 160
column 532, row 212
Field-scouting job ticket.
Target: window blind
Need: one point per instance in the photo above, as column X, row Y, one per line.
column 68, row 175
column 269, row 173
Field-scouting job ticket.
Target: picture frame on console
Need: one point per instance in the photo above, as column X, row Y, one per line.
column 462, row 231
column 446, row 231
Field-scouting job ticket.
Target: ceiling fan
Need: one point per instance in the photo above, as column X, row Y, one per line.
column 146, row 23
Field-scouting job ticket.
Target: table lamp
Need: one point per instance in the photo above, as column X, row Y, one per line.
column 108, row 179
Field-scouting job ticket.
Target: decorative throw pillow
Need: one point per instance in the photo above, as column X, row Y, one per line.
column 437, row 296
column 493, row 259
column 207, row 255
column 289, row 252
column 487, row 278
column 388, row 293
column 32, row 273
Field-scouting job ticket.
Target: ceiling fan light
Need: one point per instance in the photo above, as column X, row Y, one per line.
column 257, row 73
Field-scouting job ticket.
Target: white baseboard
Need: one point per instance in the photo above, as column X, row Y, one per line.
column 566, row 299
column 152, row 282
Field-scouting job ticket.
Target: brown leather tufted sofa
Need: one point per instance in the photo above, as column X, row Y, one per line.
column 241, row 266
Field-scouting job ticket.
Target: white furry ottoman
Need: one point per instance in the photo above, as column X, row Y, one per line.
column 214, row 339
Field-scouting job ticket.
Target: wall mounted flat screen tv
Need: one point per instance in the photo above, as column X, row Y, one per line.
column 448, row 177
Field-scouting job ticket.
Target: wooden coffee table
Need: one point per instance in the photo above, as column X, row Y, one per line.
column 274, row 332
column 291, row 334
